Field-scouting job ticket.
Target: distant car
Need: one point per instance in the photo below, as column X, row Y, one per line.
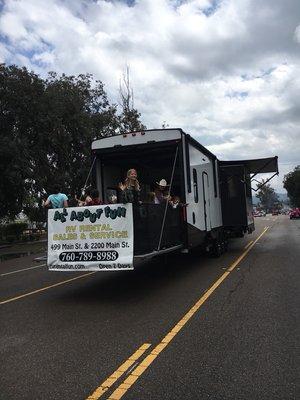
column 275, row 212
column 295, row 213
column 259, row 214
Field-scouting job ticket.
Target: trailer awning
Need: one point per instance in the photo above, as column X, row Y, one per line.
column 256, row 166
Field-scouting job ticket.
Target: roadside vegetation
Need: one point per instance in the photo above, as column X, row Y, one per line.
column 291, row 183
column 268, row 198
column 47, row 126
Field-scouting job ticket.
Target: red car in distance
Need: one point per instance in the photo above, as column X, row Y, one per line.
column 295, row 213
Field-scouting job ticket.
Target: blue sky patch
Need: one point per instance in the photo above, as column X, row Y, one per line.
column 237, row 95
column 215, row 4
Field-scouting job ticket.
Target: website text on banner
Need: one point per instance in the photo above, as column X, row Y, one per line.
column 97, row 238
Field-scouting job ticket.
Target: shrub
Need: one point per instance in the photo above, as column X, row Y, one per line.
column 24, row 238
column 13, row 231
column 10, row 238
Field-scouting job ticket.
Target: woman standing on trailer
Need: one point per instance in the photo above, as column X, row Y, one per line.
column 130, row 189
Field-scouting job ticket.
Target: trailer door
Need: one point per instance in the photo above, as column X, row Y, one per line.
column 206, row 201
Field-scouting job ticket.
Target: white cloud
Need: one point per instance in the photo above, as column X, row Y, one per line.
column 297, row 34
column 225, row 71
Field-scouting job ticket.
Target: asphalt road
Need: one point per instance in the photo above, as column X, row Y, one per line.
column 224, row 328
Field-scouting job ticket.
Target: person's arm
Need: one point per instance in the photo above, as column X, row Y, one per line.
column 167, row 197
column 79, row 202
column 138, row 197
column 123, row 196
column 88, row 201
column 47, row 203
column 66, row 201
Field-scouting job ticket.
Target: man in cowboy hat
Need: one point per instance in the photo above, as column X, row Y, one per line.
column 160, row 194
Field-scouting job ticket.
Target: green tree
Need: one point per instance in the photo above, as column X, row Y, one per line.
column 47, row 126
column 21, row 94
column 267, row 196
column 291, row 183
column 77, row 111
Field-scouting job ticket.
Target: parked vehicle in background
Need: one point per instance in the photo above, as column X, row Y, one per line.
column 285, row 212
column 259, row 214
column 275, row 212
column 295, row 213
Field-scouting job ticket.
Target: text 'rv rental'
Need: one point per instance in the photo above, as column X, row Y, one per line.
column 214, row 203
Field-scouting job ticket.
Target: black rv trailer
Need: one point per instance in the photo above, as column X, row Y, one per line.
column 216, row 194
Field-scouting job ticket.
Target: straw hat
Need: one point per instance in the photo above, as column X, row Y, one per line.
column 162, row 183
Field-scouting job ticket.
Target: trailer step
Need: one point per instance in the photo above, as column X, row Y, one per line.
column 158, row 252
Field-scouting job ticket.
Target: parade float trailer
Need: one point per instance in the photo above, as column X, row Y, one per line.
column 215, row 201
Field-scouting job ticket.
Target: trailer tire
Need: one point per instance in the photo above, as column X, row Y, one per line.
column 239, row 234
column 224, row 245
column 216, row 249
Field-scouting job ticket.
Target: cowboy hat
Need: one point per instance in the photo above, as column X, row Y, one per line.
column 162, row 183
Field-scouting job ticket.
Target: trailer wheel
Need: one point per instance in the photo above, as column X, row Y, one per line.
column 216, row 249
column 239, row 234
column 224, row 245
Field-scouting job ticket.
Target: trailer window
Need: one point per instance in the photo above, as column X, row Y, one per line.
column 195, row 184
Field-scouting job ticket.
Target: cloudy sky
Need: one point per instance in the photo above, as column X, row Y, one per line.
column 225, row 71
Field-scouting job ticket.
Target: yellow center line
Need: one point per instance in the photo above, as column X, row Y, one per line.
column 140, row 369
column 118, row 373
column 46, row 288
column 248, row 244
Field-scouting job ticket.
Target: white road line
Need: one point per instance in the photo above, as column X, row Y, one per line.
column 24, row 269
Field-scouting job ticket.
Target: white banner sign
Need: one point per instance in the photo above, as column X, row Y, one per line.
column 97, row 238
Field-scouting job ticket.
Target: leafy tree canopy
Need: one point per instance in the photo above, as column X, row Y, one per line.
column 267, row 196
column 291, row 183
column 47, row 126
